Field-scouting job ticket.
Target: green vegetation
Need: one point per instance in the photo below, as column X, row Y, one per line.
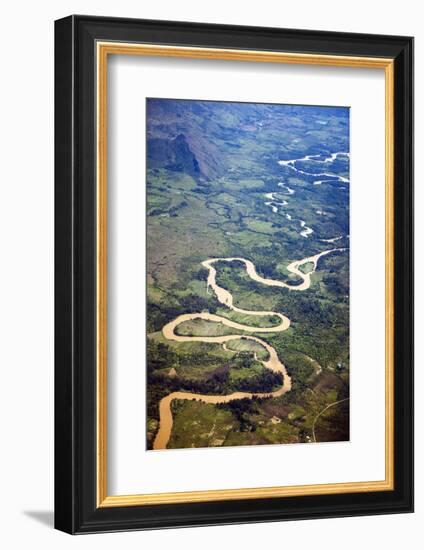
column 199, row 425
column 209, row 166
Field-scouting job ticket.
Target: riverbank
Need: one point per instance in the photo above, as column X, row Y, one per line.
column 225, row 297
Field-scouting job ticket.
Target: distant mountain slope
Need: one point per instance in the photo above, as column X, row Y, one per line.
column 210, row 139
column 173, row 154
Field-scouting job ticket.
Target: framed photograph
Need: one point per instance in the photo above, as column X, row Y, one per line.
column 233, row 274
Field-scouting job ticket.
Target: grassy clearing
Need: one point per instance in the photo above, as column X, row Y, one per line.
column 260, row 226
column 250, row 320
column 248, row 346
column 247, row 375
column 200, row 327
column 191, row 348
column 307, row 268
column 199, row 425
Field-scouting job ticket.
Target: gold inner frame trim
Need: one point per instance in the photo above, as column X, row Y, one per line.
column 103, row 50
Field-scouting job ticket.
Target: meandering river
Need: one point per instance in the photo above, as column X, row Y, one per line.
column 225, row 297
column 317, row 158
column 292, row 164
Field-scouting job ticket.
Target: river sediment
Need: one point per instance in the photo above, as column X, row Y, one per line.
column 225, row 297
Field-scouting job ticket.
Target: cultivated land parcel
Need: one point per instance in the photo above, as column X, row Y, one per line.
column 247, row 274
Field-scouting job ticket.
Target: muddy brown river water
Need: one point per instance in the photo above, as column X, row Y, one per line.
column 225, row 297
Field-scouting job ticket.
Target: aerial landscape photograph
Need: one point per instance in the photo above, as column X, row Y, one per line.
column 247, row 274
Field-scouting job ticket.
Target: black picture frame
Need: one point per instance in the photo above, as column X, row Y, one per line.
column 76, row 508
